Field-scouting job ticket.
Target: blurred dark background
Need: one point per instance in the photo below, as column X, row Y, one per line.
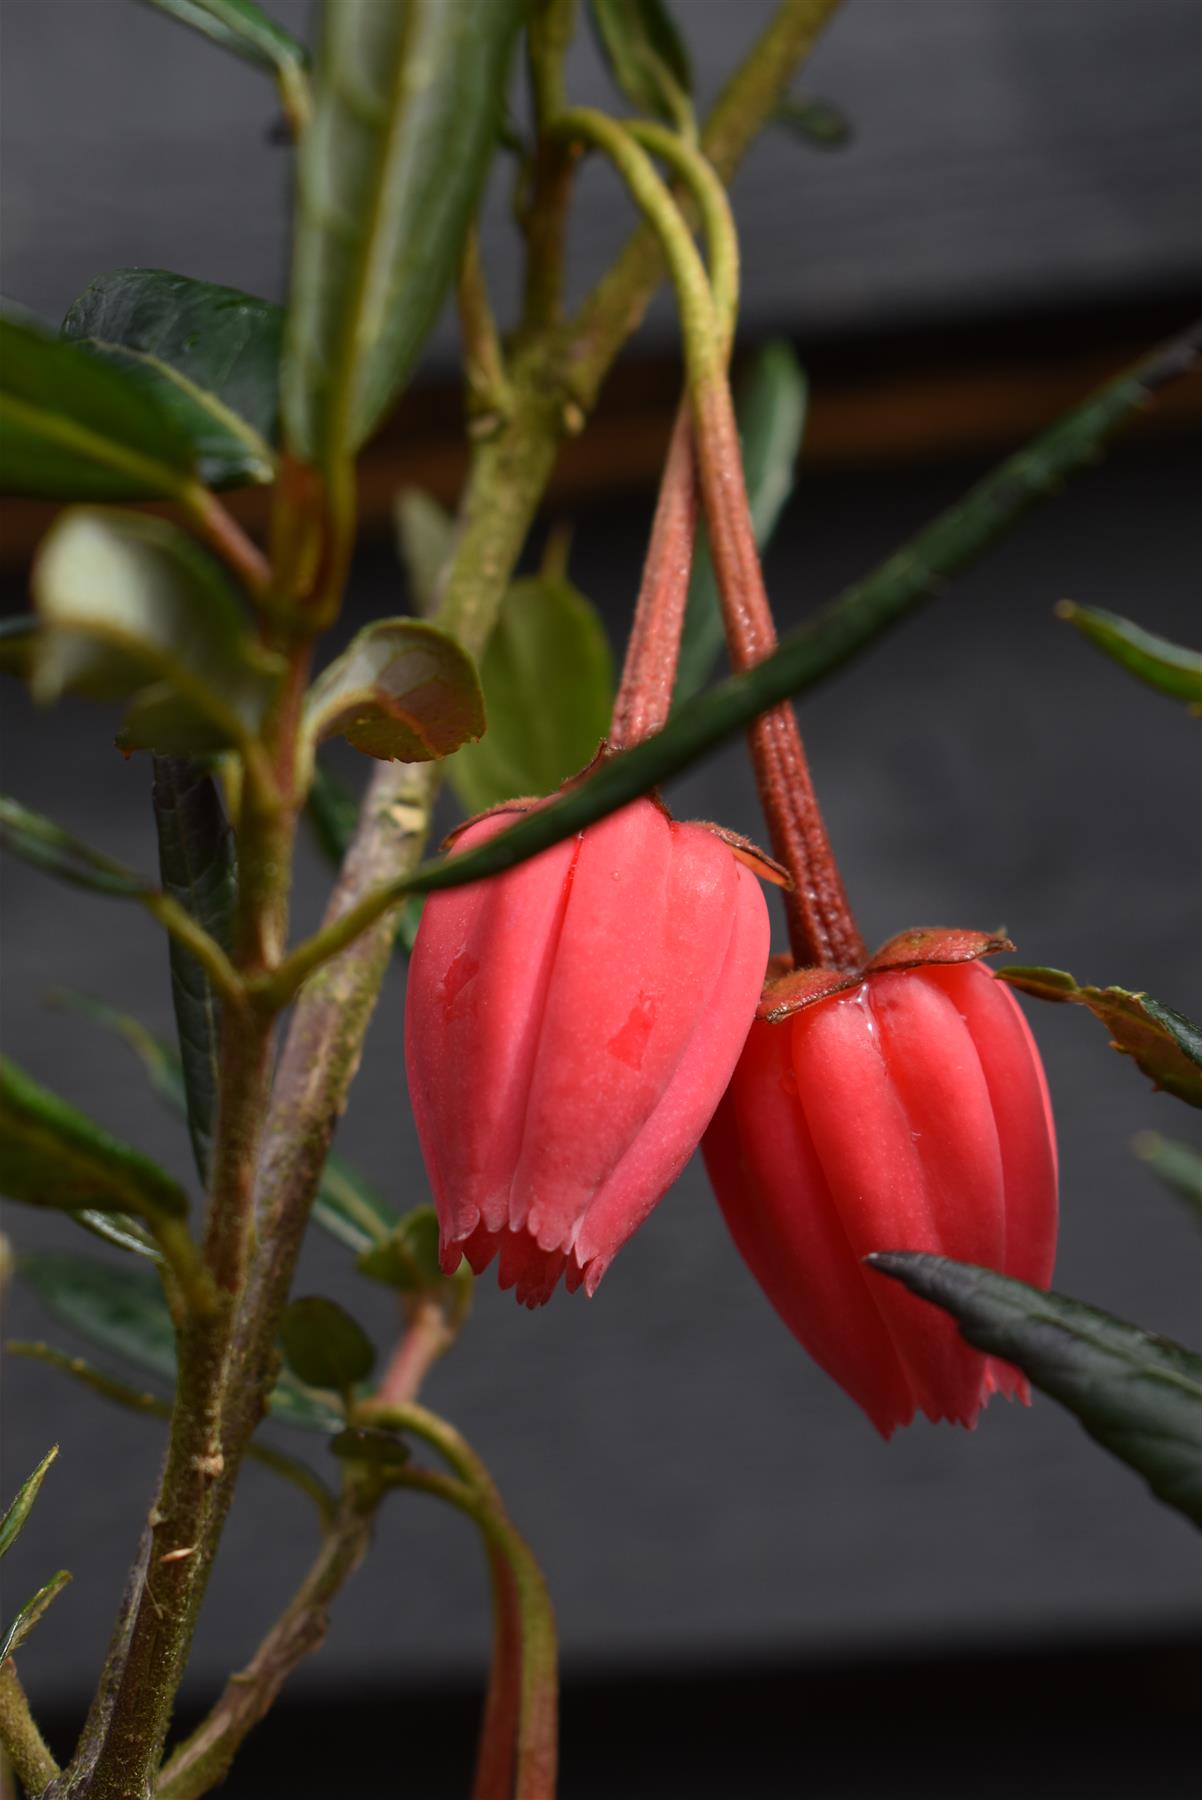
column 756, row 1596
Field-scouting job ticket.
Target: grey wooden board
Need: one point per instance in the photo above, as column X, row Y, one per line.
column 695, row 1486
column 1008, row 152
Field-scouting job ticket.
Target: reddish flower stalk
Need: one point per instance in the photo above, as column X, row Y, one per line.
column 644, row 698
column 822, row 930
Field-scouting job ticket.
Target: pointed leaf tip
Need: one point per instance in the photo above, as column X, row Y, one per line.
column 1139, row 1396
column 18, row 1512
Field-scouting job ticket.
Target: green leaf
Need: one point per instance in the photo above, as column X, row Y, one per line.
column 408, row 1258
column 407, row 102
column 424, row 532
column 1139, row 1396
column 12, row 1524
column 349, row 1208
column 30, row 1614
column 197, row 868
column 646, row 56
column 815, row 122
column 130, row 606
column 1161, row 664
column 324, row 1346
column 1166, row 1045
column 360, row 1444
column 240, row 26
column 208, row 355
column 157, row 1058
column 40, row 842
column 402, row 691
column 771, row 407
column 52, row 1155
column 120, row 1230
column 74, row 427
column 1179, row 1166
column 121, row 1309
column 548, row 689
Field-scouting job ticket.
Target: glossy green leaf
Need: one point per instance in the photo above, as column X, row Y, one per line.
column 120, row 1308
column 119, row 1229
column 324, row 1346
column 39, row 841
column 209, row 355
column 815, row 122
column 1139, row 1396
column 547, row 677
column 52, row 1155
column 402, row 691
column 1163, row 665
column 646, row 55
column 239, row 26
column 333, row 813
column 12, row 1524
column 30, row 1614
column 771, row 407
column 1166, row 1045
column 130, row 606
column 1179, row 1166
column 75, row 427
column 197, row 867
column 424, row 531
column 361, row 1444
column 408, row 1258
column 407, row 101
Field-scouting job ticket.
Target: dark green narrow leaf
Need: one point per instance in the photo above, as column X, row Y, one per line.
column 121, row 1309
column 241, row 27
column 52, row 1155
column 75, row 427
column 30, row 1614
column 197, row 867
column 324, row 1346
column 771, row 408
column 815, row 122
column 402, row 691
column 13, row 1522
column 1163, row 665
column 40, row 842
column 208, row 355
column 547, row 677
column 1179, row 1166
column 1139, row 1396
column 1165, row 1045
column 131, row 608
column 407, row 100
column 646, row 55
column 847, row 625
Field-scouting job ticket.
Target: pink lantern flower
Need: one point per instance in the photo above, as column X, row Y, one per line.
column 901, row 1108
column 570, row 1027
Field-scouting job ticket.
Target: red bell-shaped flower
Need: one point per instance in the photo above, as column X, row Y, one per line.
column 569, row 1029
column 907, row 1112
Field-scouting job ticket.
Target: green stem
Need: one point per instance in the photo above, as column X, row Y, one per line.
column 176, row 920
column 544, row 214
column 489, row 396
column 29, row 1753
column 204, row 1759
column 537, row 1732
column 228, row 539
